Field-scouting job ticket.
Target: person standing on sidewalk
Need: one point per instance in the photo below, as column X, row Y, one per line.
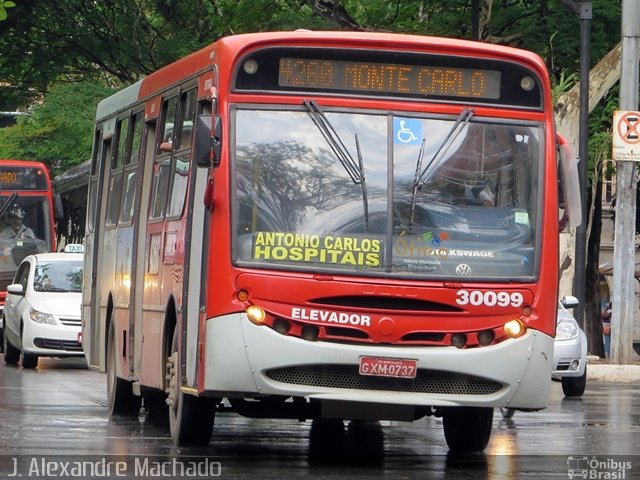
column 606, row 329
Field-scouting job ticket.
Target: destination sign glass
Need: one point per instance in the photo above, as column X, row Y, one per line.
column 391, row 74
column 22, row 178
column 389, row 78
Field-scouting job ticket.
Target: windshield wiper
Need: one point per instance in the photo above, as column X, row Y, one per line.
column 458, row 126
column 421, row 175
column 416, row 185
column 353, row 169
column 8, row 203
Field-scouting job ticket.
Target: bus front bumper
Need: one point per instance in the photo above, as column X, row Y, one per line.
column 244, row 360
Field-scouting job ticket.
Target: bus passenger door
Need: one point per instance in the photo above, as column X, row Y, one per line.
column 93, row 327
column 139, row 276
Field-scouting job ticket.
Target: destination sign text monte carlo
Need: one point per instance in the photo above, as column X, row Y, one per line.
column 388, row 74
column 388, row 77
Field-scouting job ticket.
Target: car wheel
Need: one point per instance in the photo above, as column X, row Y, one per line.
column 467, row 429
column 574, row 386
column 29, row 360
column 11, row 353
column 120, row 395
column 190, row 418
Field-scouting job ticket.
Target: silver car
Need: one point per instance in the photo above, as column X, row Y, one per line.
column 569, row 353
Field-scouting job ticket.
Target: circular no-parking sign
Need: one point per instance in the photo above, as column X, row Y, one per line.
column 626, row 135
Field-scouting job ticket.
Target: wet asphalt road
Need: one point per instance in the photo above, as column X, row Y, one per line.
column 59, row 411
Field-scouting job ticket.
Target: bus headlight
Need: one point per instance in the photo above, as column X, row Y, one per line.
column 515, row 328
column 255, row 314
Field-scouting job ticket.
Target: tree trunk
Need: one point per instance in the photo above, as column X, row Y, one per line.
column 602, row 77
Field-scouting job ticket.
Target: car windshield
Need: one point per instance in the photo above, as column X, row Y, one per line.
column 58, row 276
column 352, row 191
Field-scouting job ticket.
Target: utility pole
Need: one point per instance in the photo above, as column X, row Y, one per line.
column 624, row 242
column 584, row 11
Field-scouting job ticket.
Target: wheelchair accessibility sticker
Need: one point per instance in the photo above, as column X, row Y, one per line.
column 407, row 131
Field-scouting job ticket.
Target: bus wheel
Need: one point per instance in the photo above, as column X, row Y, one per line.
column 120, row 395
column 11, row 353
column 190, row 417
column 327, row 441
column 467, row 429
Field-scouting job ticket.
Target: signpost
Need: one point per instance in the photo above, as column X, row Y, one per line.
column 626, row 136
column 626, row 149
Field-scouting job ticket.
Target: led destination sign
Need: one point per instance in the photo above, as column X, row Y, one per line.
column 414, row 80
column 467, row 79
column 22, row 178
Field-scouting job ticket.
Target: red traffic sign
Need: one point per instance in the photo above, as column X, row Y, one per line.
column 626, row 136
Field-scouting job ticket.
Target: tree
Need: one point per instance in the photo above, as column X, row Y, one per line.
column 59, row 131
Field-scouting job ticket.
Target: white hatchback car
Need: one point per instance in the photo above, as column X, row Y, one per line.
column 42, row 310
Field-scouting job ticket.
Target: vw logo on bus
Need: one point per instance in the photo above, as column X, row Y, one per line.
column 463, row 270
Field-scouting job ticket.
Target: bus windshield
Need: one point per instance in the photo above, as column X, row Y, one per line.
column 25, row 226
column 385, row 192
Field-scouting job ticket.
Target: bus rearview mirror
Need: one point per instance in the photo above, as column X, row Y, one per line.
column 208, row 142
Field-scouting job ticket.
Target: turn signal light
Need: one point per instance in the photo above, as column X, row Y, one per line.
column 255, row 314
column 515, row 328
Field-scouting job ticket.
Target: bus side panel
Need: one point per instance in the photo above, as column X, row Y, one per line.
column 122, row 290
column 153, row 308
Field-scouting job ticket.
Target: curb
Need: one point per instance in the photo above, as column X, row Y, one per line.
column 613, row 373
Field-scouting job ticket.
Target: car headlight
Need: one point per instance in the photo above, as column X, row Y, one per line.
column 567, row 330
column 41, row 317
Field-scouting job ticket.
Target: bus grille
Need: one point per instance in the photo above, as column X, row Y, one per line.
column 347, row 377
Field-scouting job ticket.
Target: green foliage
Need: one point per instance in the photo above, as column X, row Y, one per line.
column 563, row 84
column 4, row 4
column 48, row 42
column 59, row 131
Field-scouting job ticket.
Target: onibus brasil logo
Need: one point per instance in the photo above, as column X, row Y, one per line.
column 597, row 468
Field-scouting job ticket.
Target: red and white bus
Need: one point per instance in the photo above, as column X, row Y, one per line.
column 27, row 217
column 326, row 226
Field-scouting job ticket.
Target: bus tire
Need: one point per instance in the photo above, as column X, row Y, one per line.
column 327, row 441
column 122, row 401
column 11, row 353
column 467, row 429
column 190, row 417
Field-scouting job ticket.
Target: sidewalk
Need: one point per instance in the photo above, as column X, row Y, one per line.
column 600, row 370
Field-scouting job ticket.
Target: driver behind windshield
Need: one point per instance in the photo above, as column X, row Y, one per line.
column 15, row 228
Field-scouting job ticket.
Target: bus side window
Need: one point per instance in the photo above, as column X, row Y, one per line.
column 181, row 160
column 115, row 180
column 129, row 185
column 162, row 166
